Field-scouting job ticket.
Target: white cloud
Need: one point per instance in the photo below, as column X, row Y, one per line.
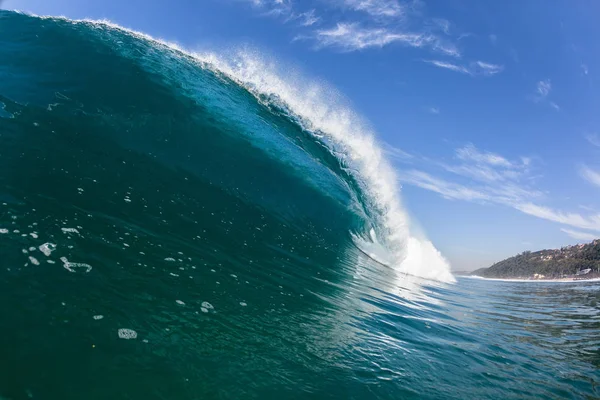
column 489, row 178
column 590, row 175
column 307, row 18
column 353, row 36
column 543, row 88
column 285, row 11
column 448, row 190
column 593, row 138
column 434, row 110
column 590, row 222
column 487, row 68
column 397, row 153
column 542, row 94
column 376, row 8
column 450, row 66
column 471, row 153
column 474, row 68
column 588, row 237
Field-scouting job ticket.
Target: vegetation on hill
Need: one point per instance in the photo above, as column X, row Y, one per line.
column 549, row 264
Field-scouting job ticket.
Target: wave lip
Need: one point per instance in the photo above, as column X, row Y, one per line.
column 319, row 111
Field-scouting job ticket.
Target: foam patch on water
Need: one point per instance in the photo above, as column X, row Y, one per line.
column 47, row 248
column 127, row 334
column 74, row 267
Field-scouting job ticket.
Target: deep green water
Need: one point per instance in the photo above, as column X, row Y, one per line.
column 144, row 192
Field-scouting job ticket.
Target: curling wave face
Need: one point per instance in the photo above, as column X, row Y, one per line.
column 299, row 122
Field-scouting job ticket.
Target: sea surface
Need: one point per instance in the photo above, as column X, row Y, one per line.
column 176, row 225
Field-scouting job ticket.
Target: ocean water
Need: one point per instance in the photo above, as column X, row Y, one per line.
column 192, row 226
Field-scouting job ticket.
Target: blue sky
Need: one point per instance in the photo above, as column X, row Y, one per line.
column 488, row 110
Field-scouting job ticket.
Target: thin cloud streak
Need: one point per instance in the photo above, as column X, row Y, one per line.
column 578, row 235
column 376, row 8
column 352, row 36
column 593, row 138
column 542, row 92
column 474, row 68
column 490, row 179
column 591, row 222
column 590, row 175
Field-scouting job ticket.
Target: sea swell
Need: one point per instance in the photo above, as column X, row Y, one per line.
column 302, row 126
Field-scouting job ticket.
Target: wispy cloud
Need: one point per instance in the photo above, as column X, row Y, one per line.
column 488, row 178
column 307, row 18
column 542, row 93
column 446, row 189
column 354, row 25
column 471, row 153
column 593, row 138
column 584, row 69
column 448, row 65
column 285, row 11
column 397, row 153
column 590, row 222
column 580, row 235
column 353, row 36
column 590, row 175
column 433, row 110
column 543, row 88
column 474, row 68
column 376, row 8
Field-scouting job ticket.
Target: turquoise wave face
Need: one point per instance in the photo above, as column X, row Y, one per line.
column 171, row 228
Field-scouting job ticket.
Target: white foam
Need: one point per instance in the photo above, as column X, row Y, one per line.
column 321, row 110
column 98, row 317
column 181, row 303
column 127, row 333
column 69, row 230
column 47, row 248
column 34, row 260
column 3, row 231
column 73, row 266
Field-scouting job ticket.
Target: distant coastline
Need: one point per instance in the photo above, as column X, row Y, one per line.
column 568, row 264
column 529, row 280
